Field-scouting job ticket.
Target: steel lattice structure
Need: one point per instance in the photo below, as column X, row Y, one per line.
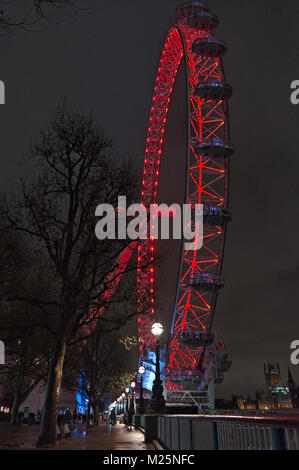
column 189, row 41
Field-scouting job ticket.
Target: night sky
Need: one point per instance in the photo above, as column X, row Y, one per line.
column 105, row 58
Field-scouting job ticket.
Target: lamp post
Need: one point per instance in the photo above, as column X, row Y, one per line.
column 141, row 371
column 127, row 393
column 123, row 400
column 157, row 400
column 133, row 385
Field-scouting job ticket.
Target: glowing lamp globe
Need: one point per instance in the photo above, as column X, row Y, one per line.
column 157, row 329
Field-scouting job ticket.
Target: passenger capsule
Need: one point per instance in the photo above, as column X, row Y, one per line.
column 213, row 90
column 205, row 282
column 216, row 216
column 213, row 148
column 197, row 338
column 190, row 8
column 204, row 21
column 209, row 47
column 196, row 15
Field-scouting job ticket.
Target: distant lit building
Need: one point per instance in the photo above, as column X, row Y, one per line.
column 277, row 395
column 294, row 390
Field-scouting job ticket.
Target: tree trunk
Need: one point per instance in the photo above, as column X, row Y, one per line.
column 15, row 409
column 17, row 392
column 19, row 397
column 96, row 413
column 47, row 433
column 88, row 412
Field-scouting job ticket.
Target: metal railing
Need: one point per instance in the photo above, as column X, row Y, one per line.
column 217, row 432
column 251, row 437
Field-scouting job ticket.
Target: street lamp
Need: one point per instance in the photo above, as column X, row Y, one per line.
column 133, row 385
column 123, row 400
column 157, row 400
column 127, row 393
column 141, row 371
column 157, row 329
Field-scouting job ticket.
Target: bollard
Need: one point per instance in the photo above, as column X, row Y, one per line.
column 150, row 428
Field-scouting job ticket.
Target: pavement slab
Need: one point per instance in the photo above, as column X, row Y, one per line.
column 101, row 437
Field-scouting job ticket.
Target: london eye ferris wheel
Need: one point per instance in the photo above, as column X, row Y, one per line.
column 194, row 359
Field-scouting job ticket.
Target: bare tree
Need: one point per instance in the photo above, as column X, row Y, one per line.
column 11, row 259
column 27, row 363
column 75, row 171
column 103, row 368
column 27, row 345
column 26, row 15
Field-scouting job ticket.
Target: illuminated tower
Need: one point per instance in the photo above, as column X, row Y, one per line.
column 272, row 376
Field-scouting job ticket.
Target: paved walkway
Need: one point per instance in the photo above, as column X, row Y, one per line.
column 100, row 437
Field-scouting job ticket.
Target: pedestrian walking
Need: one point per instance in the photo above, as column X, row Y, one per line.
column 130, row 417
column 38, row 416
column 112, row 418
column 66, row 430
column 126, row 418
column 74, row 416
column 26, row 416
column 59, row 427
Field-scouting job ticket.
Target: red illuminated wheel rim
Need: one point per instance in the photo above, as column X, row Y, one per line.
column 206, row 183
